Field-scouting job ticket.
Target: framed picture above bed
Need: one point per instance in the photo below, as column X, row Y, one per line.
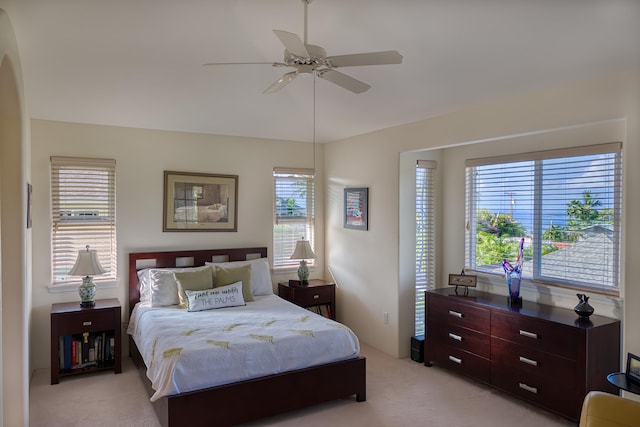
column 200, row 202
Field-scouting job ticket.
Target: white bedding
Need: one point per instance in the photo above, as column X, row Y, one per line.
column 186, row 351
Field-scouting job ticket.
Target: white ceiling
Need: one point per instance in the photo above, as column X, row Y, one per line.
column 138, row 63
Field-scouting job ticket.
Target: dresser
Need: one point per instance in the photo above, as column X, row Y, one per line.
column 540, row 353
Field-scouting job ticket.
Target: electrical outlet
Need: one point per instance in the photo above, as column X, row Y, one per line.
column 385, row 318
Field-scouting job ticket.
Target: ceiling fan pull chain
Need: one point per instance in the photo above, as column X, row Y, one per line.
column 306, row 3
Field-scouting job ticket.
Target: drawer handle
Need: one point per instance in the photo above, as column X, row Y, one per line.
column 528, row 361
column 528, row 388
column 455, row 314
column 455, row 360
column 316, row 296
column 87, row 323
column 455, row 337
column 528, row 334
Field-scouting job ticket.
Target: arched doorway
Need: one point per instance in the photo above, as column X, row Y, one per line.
column 13, row 259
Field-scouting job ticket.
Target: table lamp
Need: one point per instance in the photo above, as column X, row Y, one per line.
column 87, row 265
column 303, row 252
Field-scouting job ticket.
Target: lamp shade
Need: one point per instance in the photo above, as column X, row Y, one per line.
column 87, row 264
column 303, row 250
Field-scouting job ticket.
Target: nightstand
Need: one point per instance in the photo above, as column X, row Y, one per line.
column 85, row 339
column 318, row 296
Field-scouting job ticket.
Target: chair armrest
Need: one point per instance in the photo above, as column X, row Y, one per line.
column 603, row 409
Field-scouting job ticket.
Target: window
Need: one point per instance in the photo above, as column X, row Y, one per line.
column 425, row 237
column 293, row 213
column 83, row 212
column 565, row 203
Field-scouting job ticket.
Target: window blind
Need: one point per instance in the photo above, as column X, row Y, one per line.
column 83, row 212
column 293, row 213
column 566, row 204
column 425, row 237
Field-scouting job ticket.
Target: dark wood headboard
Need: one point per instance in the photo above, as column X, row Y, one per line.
column 194, row 258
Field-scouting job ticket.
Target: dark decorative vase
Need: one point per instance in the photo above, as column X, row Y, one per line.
column 583, row 309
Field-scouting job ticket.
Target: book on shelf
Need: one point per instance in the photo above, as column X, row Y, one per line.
column 60, row 352
column 325, row 310
column 85, row 350
column 85, row 347
column 66, row 351
column 112, row 347
column 322, row 310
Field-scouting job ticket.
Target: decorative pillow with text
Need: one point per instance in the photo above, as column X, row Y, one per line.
column 223, row 296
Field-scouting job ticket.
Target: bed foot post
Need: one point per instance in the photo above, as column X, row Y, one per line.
column 361, row 395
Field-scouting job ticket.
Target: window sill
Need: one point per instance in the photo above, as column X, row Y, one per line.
column 73, row 287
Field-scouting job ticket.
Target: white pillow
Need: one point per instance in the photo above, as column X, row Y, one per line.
column 164, row 288
column 260, row 274
column 146, row 281
column 224, row 296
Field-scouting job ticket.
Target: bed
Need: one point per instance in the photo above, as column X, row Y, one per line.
column 246, row 399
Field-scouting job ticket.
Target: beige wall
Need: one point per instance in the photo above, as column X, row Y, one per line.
column 142, row 156
column 367, row 265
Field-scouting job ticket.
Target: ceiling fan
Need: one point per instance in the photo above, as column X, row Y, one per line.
column 308, row 59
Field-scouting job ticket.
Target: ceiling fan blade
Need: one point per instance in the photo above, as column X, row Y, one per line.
column 282, row 82
column 275, row 64
column 292, row 43
column 342, row 80
column 370, row 58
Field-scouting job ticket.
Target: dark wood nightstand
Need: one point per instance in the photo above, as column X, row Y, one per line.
column 318, row 296
column 85, row 339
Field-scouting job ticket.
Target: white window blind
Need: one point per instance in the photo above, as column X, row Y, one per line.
column 293, row 213
column 565, row 203
column 425, row 237
column 83, row 212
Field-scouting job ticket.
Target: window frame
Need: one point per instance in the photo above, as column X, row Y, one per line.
column 425, row 266
column 281, row 261
column 68, row 223
column 614, row 148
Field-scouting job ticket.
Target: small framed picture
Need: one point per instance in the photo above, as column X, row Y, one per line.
column 356, row 208
column 633, row 367
column 463, row 280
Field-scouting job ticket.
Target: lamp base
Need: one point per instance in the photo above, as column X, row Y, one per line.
column 303, row 273
column 87, row 292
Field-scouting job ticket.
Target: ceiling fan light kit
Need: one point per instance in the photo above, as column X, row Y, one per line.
column 308, row 59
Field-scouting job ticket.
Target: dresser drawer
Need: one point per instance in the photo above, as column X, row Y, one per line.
column 460, row 361
column 447, row 310
column 313, row 295
column 553, row 394
column 90, row 321
column 545, row 336
column 533, row 361
column 462, row 338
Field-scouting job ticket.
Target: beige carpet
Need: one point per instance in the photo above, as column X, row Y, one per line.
column 400, row 392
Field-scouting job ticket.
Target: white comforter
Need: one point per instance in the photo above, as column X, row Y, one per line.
column 186, row 351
